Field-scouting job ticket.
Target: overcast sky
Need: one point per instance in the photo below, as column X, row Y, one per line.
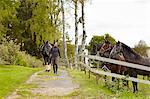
column 126, row 20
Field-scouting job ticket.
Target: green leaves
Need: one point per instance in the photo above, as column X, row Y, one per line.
column 100, row 39
column 30, row 21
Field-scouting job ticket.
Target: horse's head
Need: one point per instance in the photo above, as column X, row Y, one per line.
column 106, row 47
column 46, row 48
column 116, row 49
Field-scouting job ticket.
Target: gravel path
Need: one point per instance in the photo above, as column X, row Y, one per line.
column 56, row 85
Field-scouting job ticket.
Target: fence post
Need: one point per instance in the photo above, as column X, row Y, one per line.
column 71, row 62
column 89, row 74
column 97, row 64
column 90, row 66
column 97, row 78
column 84, row 63
column 78, row 60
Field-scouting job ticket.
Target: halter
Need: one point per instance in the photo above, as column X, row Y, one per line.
column 120, row 53
column 102, row 50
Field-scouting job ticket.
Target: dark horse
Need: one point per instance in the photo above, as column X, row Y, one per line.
column 46, row 52
column 131, row 56
column 104, row 51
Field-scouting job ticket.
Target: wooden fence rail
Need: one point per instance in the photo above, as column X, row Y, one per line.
column 99, row 72
column 127, row 64
column 113, row 74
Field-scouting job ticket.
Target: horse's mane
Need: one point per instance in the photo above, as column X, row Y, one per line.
column 137, row 58
column 130, row 50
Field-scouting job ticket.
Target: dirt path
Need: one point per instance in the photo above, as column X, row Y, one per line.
column 47, row 84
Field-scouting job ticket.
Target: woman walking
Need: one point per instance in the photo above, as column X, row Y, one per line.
column 55, row 53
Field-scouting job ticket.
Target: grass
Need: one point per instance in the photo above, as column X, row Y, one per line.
column 89, row 88
column 12, row 76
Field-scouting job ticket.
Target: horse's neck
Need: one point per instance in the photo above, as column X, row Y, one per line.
column 146, row 61
column 107, row 53
column 131, row 57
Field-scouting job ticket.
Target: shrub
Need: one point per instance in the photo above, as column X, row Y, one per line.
column 10, row 54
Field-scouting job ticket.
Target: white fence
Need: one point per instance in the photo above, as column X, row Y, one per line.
column 137, row 66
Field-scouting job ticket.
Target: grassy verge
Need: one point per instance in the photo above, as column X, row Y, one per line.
column 12, row 76
column 89, row 88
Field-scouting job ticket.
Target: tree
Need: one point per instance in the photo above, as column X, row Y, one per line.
column 82, row 20
column 64, row 34
column 7, row 10
column 31, row 22
column 141, row 48
column 100, row 39
column 76, row 31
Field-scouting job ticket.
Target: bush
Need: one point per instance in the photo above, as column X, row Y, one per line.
column 10, row 54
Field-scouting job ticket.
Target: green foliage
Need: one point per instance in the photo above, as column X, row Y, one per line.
column 11, row 77
column 141, row 48
column 70, row 50
column 10, row 54
column 101, row 39
column 30, row 22
column 7, row 10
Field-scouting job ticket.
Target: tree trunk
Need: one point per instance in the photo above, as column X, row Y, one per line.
column 64, row 35
column 83, row 27
column 76, row 32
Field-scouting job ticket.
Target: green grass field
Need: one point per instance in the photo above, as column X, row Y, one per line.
column 13, row 76
column 89, row 88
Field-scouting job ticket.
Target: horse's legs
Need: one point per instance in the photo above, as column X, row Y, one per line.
column 118, row 82
column 44, row 60
column 134, row 74
column 113, row 78
column 136, row 85
column 135, row 89
column 126, row 81
column 133, row 83
column 105, row 77
column 49, row 60
column 148, row 77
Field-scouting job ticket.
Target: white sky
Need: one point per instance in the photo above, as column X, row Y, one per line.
column 126, row 20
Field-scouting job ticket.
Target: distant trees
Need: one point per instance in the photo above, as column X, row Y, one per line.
column 141, row 48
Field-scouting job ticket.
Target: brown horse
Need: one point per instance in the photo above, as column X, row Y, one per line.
column 131, row 56
column 105, row 52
